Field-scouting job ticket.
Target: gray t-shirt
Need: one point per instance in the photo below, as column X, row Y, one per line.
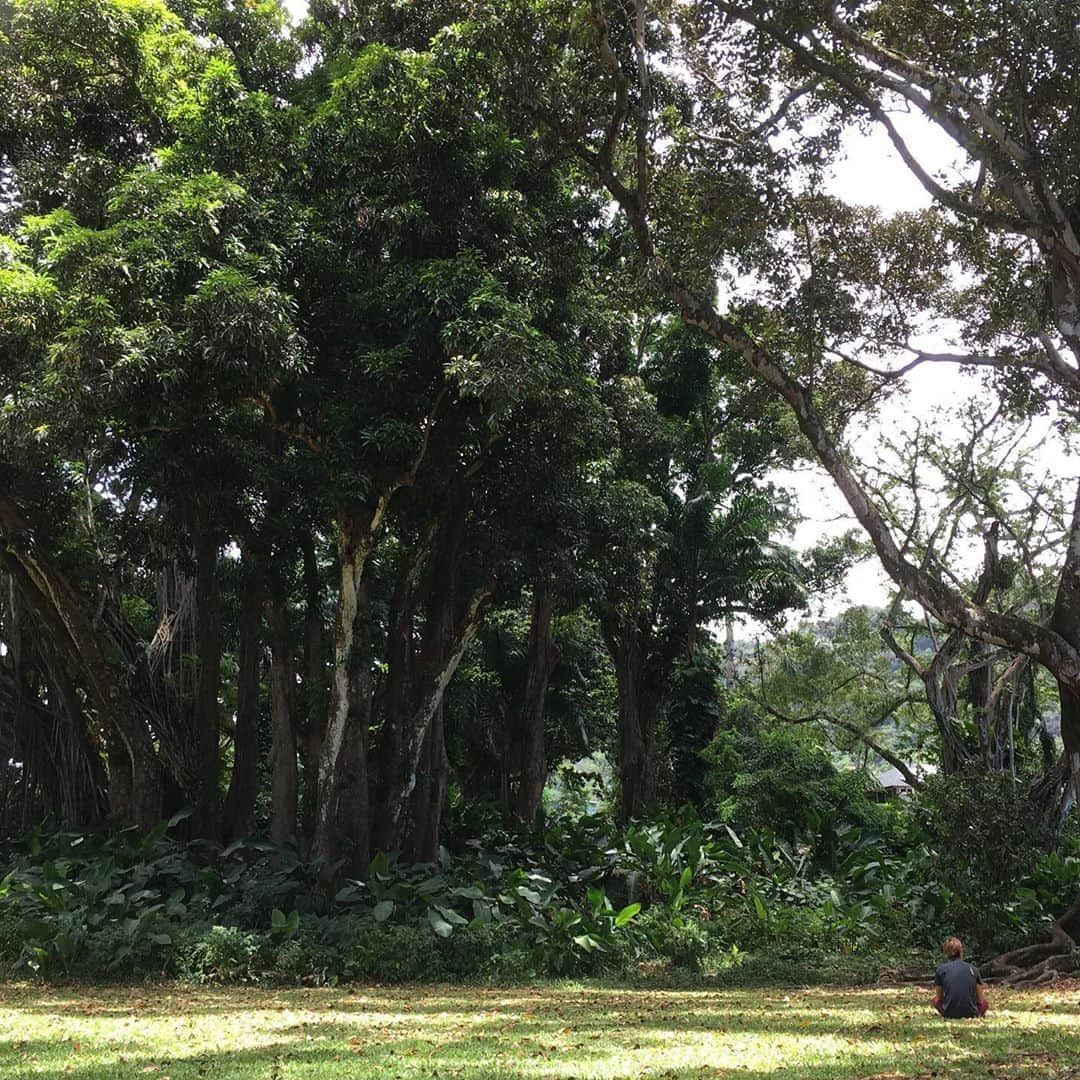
column 958, row 980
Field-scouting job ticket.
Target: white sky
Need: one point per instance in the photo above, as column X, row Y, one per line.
column 871, row 173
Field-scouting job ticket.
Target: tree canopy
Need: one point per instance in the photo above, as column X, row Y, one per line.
column 394, row 407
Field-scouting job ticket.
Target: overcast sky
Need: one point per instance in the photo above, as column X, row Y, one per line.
column 871, row 173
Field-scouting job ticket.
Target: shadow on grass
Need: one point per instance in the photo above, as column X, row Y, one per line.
column 524, row 1035
column 282, row 1061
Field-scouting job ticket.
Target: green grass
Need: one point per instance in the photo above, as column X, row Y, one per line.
column 547, row 1030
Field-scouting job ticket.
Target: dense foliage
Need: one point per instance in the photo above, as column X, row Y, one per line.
column 393, row 412
column 582, row 896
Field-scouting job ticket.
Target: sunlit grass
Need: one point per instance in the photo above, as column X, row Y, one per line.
column 544, row 1031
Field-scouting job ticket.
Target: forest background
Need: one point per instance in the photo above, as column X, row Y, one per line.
column 395, row 412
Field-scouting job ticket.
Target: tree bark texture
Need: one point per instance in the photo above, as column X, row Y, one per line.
column 283, row 767
column 430, row 702
column 355, row 543
column 639, row 703
column 1065, row 621
column 238, row 814
column 206, row 821
column 417, row 786
column 529, row 750
column 314, row 697
column 397, row 701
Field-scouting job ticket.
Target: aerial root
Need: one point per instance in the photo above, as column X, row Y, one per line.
column 1037, row 965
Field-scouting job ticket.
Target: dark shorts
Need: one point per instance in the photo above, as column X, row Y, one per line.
column 982, row 1006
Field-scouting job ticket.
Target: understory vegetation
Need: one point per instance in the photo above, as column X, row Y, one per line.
column 671, row 897
column 422, row 431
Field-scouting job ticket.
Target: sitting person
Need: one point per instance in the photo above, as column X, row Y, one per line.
column 960, row 993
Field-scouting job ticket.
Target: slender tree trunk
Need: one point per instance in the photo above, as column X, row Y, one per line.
column 430, row 771
column 429, row 795
column 415, row 788
column 315, row 701
column 420, row 724
column 206, row 822
column 542, row 658
column 351, row 682
column 396, row 706
column 508, row 762
column 354, row 803
column 731, row 668
column 283, row 770
column 1065, row 621
column 978, row 695
column 639, row 706
column 324, row 843
column 238, row 816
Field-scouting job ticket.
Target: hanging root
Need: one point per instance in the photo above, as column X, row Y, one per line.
column 1037, row 965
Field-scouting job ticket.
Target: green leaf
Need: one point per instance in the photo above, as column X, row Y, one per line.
column 432, row 885
column 383, row 910
column 626, row 914
column 470, row 892
column 759, row 907
column 439, row 924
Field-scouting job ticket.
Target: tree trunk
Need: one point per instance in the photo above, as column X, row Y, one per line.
column 1034, row 965
column 206, row 821
column 400, row 657
column 314, row 683
column 542, row 658
column 429, row 795
column 639, row 706
column 416, row 780
column 350, row 681
column 238, row 815
column 1065, row 621
column 121, row 787
column 420, row 724
column 354, row 803
column 283, row 770
column 429, row 774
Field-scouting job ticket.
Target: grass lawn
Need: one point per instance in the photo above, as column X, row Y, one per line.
column 547, row 1030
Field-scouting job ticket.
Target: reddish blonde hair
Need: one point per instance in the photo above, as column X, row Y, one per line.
column 953, row 948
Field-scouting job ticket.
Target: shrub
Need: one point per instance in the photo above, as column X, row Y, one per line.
column 766, row 773
column 220, row 954
column 982, row 846
column 683, row 941
column 388, row 953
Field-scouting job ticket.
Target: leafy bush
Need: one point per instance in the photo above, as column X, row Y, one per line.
column 682, row 940
column 985, row 850
column 221, row 954
column 772, row 773
column 578, row 897
column 113, row 904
